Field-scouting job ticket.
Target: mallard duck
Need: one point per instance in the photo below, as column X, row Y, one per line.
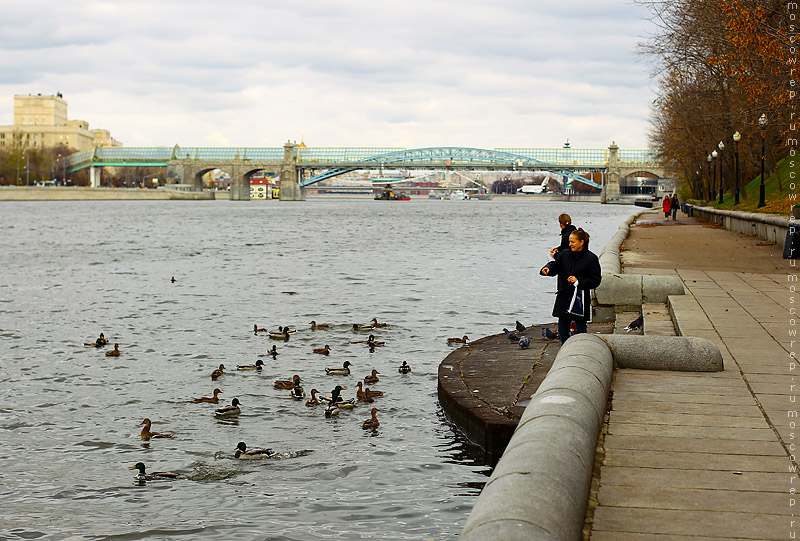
column 372, row 378
column 228, row 411
column 280, row 334
column 114, row 352
column 372, row 343
column 242, row 453
column 357, row 327
column 315, row 325
column 218, row 372
column 257, row 329
column 297, row 391
column 361, row 396
column 404, row 368
column 100, row 342
column 212, row 399
column 372, row 422
column 336, row 398
column 257, row 366
column 378, row 325
column 343, row 371
column 144, row 476
column 172, row 280
column 313, row 401
column 331, row 410
column 286, row 383
column 462, row 340
column 273, row 352
column 146, row 434
column 372, row 394
column 323, row 351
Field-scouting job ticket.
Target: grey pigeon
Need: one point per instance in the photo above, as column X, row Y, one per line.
column 520, row 327
column 511, row 336
column 635, row 324
column 548, row 334
column 524, row 342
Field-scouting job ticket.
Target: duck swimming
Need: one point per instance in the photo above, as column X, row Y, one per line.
column 373, row 421
column 361, row 396
column 297, row 391
column 357, row 327
column 336, row 398
column 378, row 325
column 373, row 378
column 259, row 364
column 218, row 372
column 144, row 476
column 146, row 434
column 280, row 334
column 315, row 325
column 313, row 401
column 257, row 329
column 372, row 343
column 343, row 371
column 228, row 411
column 287, row 383
column 273, row 352
column 212, row 399
column 462, row 340
column 100, row 342
column 323, row 351
column 372, row 394
column 242, row 453
column 114, row 352
column 332, row 410
column 404, row 368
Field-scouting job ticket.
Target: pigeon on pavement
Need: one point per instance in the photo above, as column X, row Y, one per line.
column 635, row 324
column 548, row 334
column 524, row 342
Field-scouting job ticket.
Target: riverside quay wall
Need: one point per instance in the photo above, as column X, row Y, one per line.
column 79, row 193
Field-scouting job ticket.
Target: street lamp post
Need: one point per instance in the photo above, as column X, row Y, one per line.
column 710, row 186
column 714, row 155
column 762, row 121
column 736, row 138
column 27, row 172
column 721, row 147
column 699, row 183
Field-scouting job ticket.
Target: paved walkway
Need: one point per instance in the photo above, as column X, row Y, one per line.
column 706, row 456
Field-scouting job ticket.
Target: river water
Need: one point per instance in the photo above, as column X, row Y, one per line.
column 69, row 415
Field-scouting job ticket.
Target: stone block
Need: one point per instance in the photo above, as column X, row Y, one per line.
column 620, row 289
column 664, row 353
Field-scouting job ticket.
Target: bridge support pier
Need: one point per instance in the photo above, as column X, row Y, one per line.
column 611, row 190
column 95, row 177
column 290, row 185
column 240, row 185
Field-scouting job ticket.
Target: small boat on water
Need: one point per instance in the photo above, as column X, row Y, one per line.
column 388, row 195
column 459, row 195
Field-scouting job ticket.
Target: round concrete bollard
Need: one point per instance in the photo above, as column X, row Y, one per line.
column 683, row 353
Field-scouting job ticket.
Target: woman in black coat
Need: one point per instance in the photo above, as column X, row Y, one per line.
column 576, row 265
column 565, row 222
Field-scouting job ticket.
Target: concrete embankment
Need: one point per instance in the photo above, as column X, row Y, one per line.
column 79, row 193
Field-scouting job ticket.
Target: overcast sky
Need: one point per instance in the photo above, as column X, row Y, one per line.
column 410, row 73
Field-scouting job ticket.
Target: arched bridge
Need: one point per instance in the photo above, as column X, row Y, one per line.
column 300, row 166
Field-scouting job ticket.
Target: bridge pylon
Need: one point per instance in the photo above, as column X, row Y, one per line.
column 290, row 185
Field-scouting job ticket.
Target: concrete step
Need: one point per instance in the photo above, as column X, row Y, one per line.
column 657, row 320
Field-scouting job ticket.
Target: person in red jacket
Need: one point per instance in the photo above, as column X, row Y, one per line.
column 666, row 206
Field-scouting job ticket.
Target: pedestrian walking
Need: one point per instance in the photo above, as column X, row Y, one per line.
column 666, row 206
column 565, row 222
column 578, row 272
column 674, row 204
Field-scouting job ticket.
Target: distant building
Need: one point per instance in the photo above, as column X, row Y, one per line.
column 42, row 121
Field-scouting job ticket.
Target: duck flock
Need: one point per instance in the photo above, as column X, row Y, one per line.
column 331, row 404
